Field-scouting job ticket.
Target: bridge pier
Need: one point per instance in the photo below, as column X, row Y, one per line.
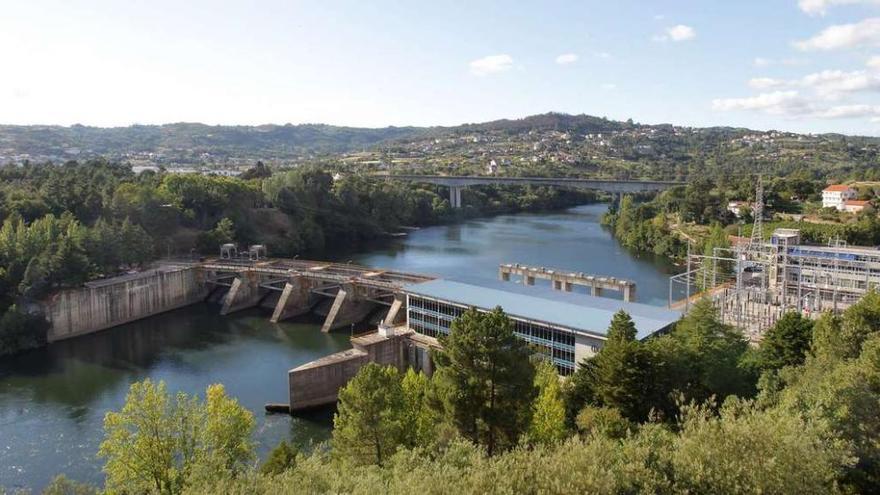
column 396, row 313
column 562, row 285
column 245, row 293
column 350, row 305
column 295, row 299
column 629, row 293
column 455, row 196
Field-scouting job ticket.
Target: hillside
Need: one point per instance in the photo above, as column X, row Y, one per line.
column 548, row 144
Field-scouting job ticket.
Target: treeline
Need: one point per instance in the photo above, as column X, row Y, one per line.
column 695, row 411
column 648, row 224
column 63, row 224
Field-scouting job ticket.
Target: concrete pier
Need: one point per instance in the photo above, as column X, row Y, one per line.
column 245, row 293
column 295, row 299
column 565, row 281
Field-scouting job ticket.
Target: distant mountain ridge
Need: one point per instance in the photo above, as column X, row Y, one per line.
column 191, row 143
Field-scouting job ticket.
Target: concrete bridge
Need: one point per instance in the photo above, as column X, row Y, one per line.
column 457, row 183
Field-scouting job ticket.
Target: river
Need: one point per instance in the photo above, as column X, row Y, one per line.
column 53, row 400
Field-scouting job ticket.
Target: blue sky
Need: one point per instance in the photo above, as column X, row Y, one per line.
column 801, row 65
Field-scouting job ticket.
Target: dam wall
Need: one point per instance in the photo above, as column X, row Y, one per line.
column 106, row 303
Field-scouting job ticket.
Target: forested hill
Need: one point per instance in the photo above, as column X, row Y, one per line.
column 188, row 142
column 547, row 144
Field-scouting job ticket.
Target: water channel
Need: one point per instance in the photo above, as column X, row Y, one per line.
column 53, row 400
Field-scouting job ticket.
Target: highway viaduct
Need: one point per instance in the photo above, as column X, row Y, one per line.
column 457, row 183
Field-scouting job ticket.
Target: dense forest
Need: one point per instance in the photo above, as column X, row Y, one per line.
column 61, row 225
column 696, row 410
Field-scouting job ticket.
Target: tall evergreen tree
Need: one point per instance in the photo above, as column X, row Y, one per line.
column 621, row 369
column 489, row 379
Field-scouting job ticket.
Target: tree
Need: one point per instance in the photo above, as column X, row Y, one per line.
column 716, row 350
column 158, row 443
column 370, row 421
column 419, row 419
column 579, row 390
column 605, row 421
column 489, row 379
column 827, row 342
column 859, row 322
column 61, row 485
column 787, row 342
column 282, row 458
column 20, row 331
column 621, row 367
column 548, row 412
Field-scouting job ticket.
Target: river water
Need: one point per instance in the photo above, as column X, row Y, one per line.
column 53, row 400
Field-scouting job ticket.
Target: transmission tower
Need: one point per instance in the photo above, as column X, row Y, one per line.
column 757, row 240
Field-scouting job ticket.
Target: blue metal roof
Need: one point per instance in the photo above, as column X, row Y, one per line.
column 578, row 312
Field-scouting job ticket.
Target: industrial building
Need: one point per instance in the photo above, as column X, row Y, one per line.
column 753, row 284
column 565, row 326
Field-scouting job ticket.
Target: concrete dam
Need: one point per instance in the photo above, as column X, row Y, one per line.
column 343, row 294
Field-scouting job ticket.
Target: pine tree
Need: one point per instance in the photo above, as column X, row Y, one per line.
column 488, row 378
column 621, row 369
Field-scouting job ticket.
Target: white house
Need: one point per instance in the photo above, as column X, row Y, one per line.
column 737, row 207
column 836, row 196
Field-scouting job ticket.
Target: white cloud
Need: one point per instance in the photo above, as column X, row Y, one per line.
column 775, row 103
column 860, row 34
column 681, row 33
column 609, row 86
column 766, row 83
column 762, row 62
column 491, row 64
column 848, row 112
column 831, row 84
column 874, row 62
column 604, row 55
column 820, row 7
column 566, row 58
column 676, row 33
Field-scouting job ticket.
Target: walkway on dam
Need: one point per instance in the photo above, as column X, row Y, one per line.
column 319, row 270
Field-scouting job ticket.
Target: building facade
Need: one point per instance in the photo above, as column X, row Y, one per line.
column 836, row 196
column 565, row 327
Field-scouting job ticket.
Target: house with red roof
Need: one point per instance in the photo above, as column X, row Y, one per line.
column 837, row 195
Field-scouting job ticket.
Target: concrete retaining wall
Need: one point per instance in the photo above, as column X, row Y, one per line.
column 113, row 302
column 317, row 383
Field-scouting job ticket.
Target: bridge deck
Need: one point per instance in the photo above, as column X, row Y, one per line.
column 321, row 270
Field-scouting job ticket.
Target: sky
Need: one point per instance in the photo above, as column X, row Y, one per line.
column 798, row 65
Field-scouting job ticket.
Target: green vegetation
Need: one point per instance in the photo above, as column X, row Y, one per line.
column 158, row 443
column 697, row 213
column 810, row 424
